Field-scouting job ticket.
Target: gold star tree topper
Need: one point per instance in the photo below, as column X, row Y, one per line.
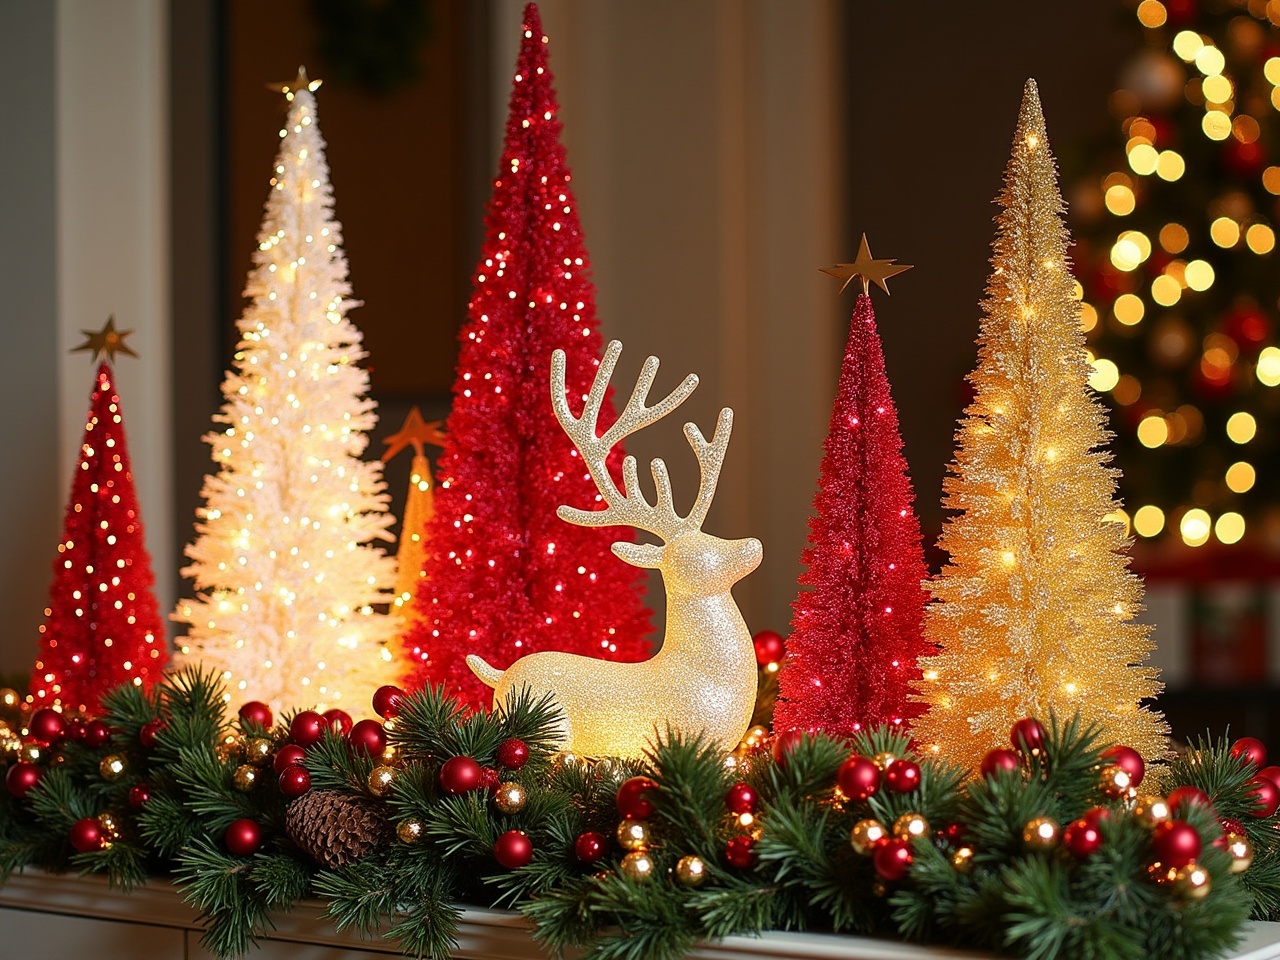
column 870, row 270
column 414, row 432
column 300, row 82
column 106, row 342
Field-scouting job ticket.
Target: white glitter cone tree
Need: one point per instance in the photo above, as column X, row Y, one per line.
column 287, row 578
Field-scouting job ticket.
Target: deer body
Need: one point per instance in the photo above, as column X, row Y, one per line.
column 703, row 680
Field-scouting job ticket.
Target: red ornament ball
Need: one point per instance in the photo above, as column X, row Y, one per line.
column 633, row 799
column 1002, row 758
column 294, row 781
column 590, row 847
column 741, row 798
column 784, row 743
column 858, row 778
column 1028, row 735
column 386, row 701
column 243, row 838
column 490, row 781
column 1127, row 759
column 740, row 852
column 1266, row 796
column 1096, row 815
column 22, row 776
column 257, row 713
column 1271, row 773
column 307, row 728
column 1252, row 749
column 513, row 849
column 513, row 753
column 1185, row 796
column 47, row 726
column 1175, row 843
column 892, row 859
column 770, row 647
column 460, row 775
column 1230, row 825
column 1082, row 838
column 287, row 756
column 367, row 736
column 150, row 730
column 339, row 721
column 96, row 735
column 86, row 835
column 902, row 776
column 139, row 796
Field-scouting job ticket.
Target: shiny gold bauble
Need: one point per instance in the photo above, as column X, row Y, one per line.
column 637, row 865
column 883, row 759
column 229, row 749
column 866, row 835
column 410, row 831
column 258, row 750
column 510, row 798
column 245, row 777
column 910, row 825
column 1192, row 882
column 754, row 737
column 691, row 871
column 1241, row 851
column 390, row 753
column 1040, row 833
column 1151, row 811
column 962, row 860
column 1115, row 783
column 30, row 752
column 109, row 826
column 563, row 760
column 112, row 767
column 633, row 834
column 381, row 780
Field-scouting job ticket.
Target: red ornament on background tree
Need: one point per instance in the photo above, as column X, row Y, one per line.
column 1000, row 759
column 386, row 701
column 513, row 849
column 257, row 712
column 47, row 726
column 243, row 838
column 1266, row 796
column 20, row 778
column 102, row 627
column 86, row 835
column 857, row 634
column 1175, row 843
column 307, row 728
column 368, row 736
column 633, row 798
column 460, row 775
column 858, row 778
column 505, row 577
column 513, row 753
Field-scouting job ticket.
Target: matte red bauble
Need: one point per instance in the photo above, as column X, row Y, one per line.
column 307, row 728
column 369, row 737
column 150, row 730
column 22, row 776
column 784, row 743
column 1185, row 796
column 1175, row 843
column 287, row 756
column 139, row 795
column 47, row 726
column 1082, row 838
column 902, row 776
column 1028, row 735
column 633, row 798
column 294, row 781
column 740, row 852
column 1002, row 758
column 741, row 798
column 769, row 647
column 96, row 735
column 86, row 835
column 1266, row 796
column 460, row 775
column 1271, row 773
column 1127, row 759
column 590, row 847
column 1252, row 749
column 243, row 838
column 892, row 859
column 257, row 712
column 386, row 701
column 513, row 849
column 858, row 778
column 513, row 754
column 339, row 721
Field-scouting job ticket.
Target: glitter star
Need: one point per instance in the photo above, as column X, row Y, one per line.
column 871, row 271
column 413, row 433
column 106, row 342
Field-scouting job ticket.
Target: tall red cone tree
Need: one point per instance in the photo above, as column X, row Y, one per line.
column 505, row 576
column 857, row 633
column 102, row 627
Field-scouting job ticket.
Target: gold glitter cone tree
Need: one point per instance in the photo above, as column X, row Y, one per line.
column 1034, row 611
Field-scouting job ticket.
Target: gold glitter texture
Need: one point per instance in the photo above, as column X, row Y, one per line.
column 1034, row 612
column 703, row 679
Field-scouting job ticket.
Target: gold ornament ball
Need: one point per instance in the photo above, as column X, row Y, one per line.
column 257, row 750
column 1114, row 781
column 229, row 749
column 112, row 767
column 510, row 798
column 1192, row 882
column 1040, row 833
column 409, row 831
column 962, row 860
column 883, row 759
column 109, row 826
column 564, row 760
column 1241, row 851
column 754, row 737
column 1151, row 811
column 691, row 871
column 910, row 825
column 245, row 777
column 390, row 753
column 637, row 866
column 633, row 834
column 866, row 835
column 30, row 752
column 381, row 780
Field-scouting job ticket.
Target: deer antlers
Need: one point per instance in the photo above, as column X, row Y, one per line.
column 629, row 507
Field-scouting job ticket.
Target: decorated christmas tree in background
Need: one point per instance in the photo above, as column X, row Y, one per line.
column 857, row 634
column 1176, row 221
column 419, row 504
column 505, row 576
column 285, row 574
column 102, row 627
column 1035, row 610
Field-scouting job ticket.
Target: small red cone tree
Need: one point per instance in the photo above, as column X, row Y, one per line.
column 102, row 627
column 505, row 576
column 857, row 633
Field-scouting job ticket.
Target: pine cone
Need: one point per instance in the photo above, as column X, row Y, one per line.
column 334, row 828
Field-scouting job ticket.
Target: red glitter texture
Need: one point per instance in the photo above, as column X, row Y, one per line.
column 851, row 657
column 505, row 577
column 102, row 627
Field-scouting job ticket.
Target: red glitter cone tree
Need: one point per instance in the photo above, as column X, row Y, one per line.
column 505, row 576
column 102, row 627
column 857, row 633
